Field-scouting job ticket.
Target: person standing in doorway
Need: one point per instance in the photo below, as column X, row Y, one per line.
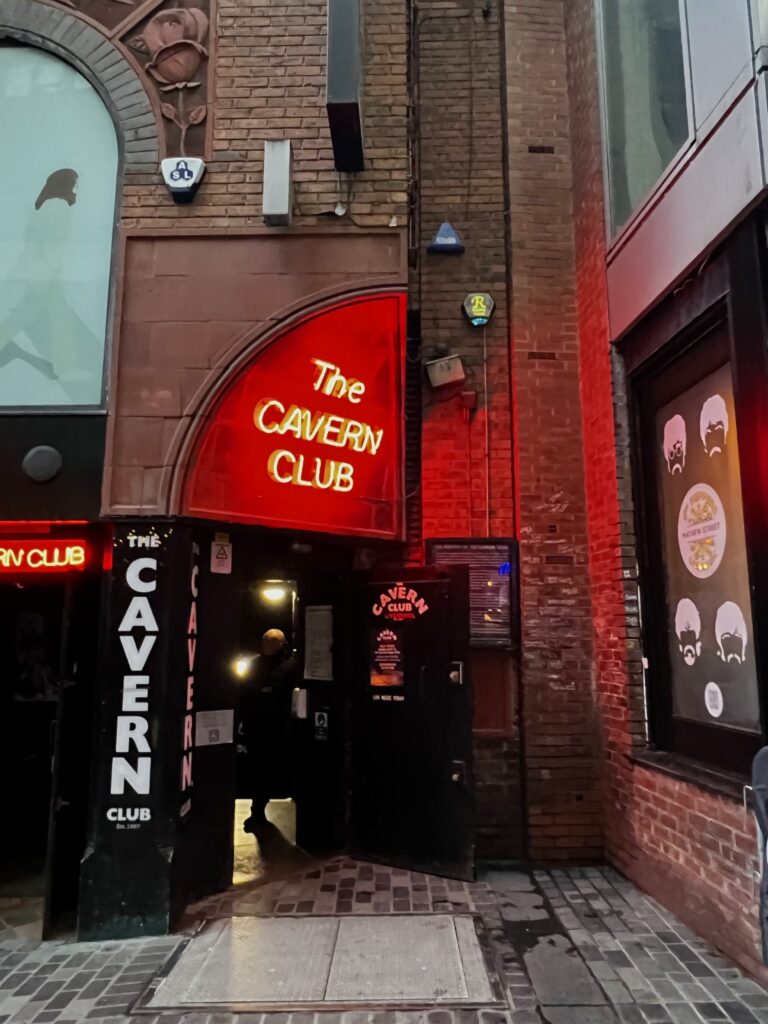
column 265, row 719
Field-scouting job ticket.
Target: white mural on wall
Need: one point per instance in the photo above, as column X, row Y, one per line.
column 57, row 210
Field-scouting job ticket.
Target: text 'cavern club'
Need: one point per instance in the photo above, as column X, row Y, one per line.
column 272, row 416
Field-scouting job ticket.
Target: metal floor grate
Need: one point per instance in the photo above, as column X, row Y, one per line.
column 328, row 962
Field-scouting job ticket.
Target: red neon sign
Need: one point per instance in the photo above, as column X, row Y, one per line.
column 309, row 435
column 38, row 555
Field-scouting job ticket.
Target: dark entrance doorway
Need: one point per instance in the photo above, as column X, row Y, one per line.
column 48, row 655
column 380, row 758
column 377, row 758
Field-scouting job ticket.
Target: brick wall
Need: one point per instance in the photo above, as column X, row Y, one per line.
column 460, row 173
column 190, row 303
column 691, row 848
column 270, row 84
column 562, row 744
column 466, row 488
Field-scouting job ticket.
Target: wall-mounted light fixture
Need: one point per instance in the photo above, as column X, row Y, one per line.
column 277, row 198
column 445, row 370
column 242, row 665
column 447, row 242
column 479, row 307
column 273, row 592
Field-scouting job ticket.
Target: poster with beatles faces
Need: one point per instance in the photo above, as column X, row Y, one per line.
column 711, row 645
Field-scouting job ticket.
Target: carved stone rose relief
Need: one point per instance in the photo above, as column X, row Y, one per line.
column 171, row 41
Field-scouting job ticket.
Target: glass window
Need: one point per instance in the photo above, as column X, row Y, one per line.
column 698, row 634
column 711, row 645
column 57, row 210
column 645, row 98
column 492, row 569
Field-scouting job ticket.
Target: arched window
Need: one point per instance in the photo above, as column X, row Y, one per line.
column 58, row 176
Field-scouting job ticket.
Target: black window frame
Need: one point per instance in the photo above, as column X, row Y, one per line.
column 733, row 328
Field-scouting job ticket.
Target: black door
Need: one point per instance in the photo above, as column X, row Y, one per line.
column 71, row 753
column 411, row 732
column 321, row 734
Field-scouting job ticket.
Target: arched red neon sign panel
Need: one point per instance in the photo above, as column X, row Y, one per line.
column 309, row 435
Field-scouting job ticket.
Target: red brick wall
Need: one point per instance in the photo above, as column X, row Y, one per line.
column 459, row 168
column 270, row 84
column 690, row 848
column 460, row 173
column 562, row 744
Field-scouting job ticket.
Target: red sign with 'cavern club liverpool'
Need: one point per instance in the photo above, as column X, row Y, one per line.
column 309, row 435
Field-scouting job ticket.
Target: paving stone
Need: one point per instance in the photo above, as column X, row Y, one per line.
column 523, row 906
column 617, row 992
column 578, row 1014
column 711, row 1011
column 738, row 1012
column 559, row 976
column 684, row 1013
column 655, row 1013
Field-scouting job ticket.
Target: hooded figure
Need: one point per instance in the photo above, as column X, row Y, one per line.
column 688, row 629
column 713, row 425
column 674, row 444
column 731, row 633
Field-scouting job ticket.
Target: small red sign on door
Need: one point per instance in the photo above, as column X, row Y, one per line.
column 309, row 435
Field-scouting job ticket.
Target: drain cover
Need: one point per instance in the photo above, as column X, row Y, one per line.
column 328, row 961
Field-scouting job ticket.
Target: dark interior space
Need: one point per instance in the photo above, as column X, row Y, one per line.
column 49, row 657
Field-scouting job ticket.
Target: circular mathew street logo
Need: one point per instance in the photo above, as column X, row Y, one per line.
column 701, row 531
column 713, row 698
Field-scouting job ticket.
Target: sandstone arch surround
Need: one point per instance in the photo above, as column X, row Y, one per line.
column 195, row 307
column 103, row 63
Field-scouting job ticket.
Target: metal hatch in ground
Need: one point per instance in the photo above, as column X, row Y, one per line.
column 328, row 962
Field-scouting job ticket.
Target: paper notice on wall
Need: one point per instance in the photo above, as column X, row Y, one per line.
column 221, row 554
column 214, row 727
column 318, row 642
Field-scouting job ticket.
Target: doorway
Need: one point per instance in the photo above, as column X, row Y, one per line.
column 267, row 759
column 377, row 759
column 47, row 669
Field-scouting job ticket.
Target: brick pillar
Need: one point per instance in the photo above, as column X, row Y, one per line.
column 561, row 737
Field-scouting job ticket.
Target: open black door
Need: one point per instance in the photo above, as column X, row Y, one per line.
column 321, row 735
column 411, row 738
column 71, row 753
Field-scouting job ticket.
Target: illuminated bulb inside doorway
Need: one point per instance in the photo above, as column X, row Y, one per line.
column 241, row 667
column 274, row 594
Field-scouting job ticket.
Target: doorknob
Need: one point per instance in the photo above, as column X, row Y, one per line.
column 456, row 673
column 458, row 772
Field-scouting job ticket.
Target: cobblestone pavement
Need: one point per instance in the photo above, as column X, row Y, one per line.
column 577, row 946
